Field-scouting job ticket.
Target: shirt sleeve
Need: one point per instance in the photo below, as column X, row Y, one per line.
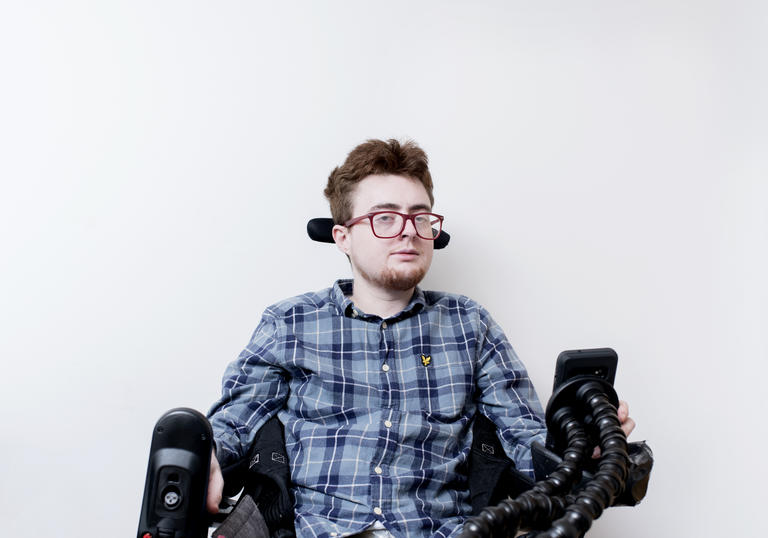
column 507, row 397
column 254, row 388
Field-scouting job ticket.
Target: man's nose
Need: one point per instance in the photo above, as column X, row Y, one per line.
column 409, row 228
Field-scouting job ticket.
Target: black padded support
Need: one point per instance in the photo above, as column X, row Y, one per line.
column 492, row 475
column 320, row 229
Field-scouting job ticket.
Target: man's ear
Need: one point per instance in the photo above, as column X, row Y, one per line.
column 341, row 238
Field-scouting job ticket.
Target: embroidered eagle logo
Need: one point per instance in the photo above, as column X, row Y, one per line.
column 426, row 360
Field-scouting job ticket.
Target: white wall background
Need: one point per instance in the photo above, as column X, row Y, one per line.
column 602, row 166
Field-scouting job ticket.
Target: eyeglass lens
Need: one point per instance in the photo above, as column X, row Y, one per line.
column 391, row 224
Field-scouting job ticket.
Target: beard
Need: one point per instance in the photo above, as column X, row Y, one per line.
column 396, row 280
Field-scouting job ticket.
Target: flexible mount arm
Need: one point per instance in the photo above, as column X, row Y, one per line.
column 579, row 405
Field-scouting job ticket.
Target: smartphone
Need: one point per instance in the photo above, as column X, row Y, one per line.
column 600, row 362
column 583, row 364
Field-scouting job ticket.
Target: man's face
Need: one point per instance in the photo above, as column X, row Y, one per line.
column 398, row 263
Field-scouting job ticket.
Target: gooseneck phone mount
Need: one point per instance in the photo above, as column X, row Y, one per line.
column 573, row 488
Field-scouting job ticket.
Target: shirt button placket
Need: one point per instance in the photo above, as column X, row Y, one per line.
column 388, row 344
column 382, row 485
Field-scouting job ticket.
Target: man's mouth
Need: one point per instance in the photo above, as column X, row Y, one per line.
column 406, row 254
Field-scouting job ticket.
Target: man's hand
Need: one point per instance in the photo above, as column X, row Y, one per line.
column 627, row 424
column 215, row 485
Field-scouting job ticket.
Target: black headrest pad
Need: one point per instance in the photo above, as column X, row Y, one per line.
column 320, row 229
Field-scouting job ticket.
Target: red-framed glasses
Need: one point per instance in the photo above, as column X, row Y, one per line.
column 389, row 224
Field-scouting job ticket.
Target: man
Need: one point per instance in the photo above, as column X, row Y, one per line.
column 375, row 380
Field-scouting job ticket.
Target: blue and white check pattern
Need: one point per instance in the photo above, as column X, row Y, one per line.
column 377, row 413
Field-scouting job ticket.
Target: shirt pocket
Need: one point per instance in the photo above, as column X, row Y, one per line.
column 439, row 383
column 329, row 381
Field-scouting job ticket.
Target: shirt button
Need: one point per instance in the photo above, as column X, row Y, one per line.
column 385, row 367
column 354, row 315
column 378, row 470
column 377, row 511
column 383, row 324
column 388, row 424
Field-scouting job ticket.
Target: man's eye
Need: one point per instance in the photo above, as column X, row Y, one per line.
column 421, row 219
column 384, row 218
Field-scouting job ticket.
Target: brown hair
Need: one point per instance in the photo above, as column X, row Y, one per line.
column 375, row 157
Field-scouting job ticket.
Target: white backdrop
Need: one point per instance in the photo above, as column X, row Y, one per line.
column 602, row 167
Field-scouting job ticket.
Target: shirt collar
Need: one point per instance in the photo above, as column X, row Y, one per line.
column 342, row 291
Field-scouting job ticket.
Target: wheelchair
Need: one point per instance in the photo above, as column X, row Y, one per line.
column 571, row 489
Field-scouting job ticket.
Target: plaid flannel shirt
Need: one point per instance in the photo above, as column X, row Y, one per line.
column 377, row 412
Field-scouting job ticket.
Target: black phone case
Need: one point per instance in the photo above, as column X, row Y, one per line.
column 599, row 362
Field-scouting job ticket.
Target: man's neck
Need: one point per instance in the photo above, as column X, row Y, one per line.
column 379, row 301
